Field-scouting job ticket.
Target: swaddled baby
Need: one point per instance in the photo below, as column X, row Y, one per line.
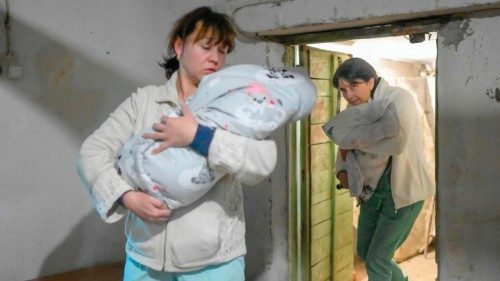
column 358, row 127
column 249, row 100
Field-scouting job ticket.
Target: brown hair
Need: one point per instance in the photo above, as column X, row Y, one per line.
column 215, row 24
column 352, row 69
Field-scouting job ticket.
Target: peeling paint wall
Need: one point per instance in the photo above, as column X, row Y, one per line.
column 468, row 151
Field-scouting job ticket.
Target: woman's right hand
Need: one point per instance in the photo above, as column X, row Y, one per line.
column 174, row 131
column 146, row 207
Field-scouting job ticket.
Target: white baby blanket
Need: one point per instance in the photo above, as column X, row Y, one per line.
column 357, row 127
column 248, row 100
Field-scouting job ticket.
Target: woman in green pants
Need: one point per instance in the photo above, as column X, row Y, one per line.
column 387, row 217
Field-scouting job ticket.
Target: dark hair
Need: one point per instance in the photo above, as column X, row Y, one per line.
column 216, row 24
column 352, row 69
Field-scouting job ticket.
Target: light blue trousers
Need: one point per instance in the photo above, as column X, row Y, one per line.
column 233, row 270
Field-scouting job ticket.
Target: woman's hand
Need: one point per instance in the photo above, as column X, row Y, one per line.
column 174, row 131
column 146, row 207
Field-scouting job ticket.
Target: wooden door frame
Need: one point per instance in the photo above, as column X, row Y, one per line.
column 298, row 217
column 300, row 203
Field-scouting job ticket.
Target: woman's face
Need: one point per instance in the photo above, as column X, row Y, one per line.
column 358, row 92
column 201, row 57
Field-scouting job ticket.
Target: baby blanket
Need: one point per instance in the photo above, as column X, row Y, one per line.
column 357, row 127
column 248, row 100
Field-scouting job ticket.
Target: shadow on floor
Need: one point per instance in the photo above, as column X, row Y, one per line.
column 109, row 272
column 91, row 243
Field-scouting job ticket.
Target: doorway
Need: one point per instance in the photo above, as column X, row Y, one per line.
column 323, row 233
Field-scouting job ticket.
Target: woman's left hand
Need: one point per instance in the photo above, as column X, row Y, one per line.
column 174, row 131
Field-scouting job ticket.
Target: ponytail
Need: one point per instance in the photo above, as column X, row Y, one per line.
column 170, row 65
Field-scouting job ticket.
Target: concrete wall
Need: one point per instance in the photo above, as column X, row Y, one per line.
column 302, row 16
column 79, row 60
column 468, row 129
column 82, row 58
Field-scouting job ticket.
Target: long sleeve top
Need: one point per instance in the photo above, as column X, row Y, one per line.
column 209, row 231
column 412, row 148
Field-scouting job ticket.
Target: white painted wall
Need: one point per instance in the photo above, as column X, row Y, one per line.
column 82, row 58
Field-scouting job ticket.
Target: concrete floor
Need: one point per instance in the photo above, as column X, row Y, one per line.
column 418, row 268
column 108, row 272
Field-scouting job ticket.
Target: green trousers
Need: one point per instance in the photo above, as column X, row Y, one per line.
column 382, row 229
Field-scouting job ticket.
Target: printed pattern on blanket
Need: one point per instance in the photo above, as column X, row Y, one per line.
column 357, row 127
column 249, row 100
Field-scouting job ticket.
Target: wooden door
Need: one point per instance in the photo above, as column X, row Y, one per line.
column 321, row 236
